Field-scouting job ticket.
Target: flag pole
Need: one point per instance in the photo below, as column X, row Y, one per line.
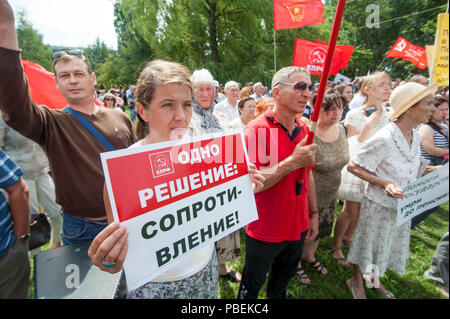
column 274, row 52
column 326, row 70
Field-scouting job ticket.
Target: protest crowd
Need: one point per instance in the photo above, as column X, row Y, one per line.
column 373, row 137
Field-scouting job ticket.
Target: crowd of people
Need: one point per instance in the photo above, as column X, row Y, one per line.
column 373, row 137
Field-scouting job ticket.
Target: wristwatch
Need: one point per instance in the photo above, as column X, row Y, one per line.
column 314, row 212
column 24, row 237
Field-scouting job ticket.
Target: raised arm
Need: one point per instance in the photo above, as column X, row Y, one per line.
column 8, row 37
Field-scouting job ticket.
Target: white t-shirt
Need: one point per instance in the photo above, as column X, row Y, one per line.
column 188, row 265
column 229, row 110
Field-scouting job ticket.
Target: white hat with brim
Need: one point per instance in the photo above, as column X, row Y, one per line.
column 403, row 97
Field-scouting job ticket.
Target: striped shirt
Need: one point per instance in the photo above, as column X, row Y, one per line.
column 9, row 175
column 440, row 141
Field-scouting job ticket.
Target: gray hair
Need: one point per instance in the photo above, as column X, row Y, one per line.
column 229, row 84
column 285, row 73
column 256, row 85
column 202, row 76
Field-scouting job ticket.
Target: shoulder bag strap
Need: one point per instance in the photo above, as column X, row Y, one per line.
column 90, row 128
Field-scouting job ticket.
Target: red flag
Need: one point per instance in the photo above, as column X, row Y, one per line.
column 293, row 14
column 347, row 52
column 311, row 56
column 405, row 50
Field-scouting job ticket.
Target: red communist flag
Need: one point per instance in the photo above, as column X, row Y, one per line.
column 292, row 14
column 405, row 50
column 311, row 55
column 347, row 52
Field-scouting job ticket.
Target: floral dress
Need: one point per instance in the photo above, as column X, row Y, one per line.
column 353, row 188
column 378, row 243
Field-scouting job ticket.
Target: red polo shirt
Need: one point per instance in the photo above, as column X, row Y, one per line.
column 282, row 208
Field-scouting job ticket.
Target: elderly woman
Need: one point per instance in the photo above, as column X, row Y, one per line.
column 164, row 103
column 246, row 109
column 361, row 124
column 388, row 161
column 331, row 157
column 205, row 120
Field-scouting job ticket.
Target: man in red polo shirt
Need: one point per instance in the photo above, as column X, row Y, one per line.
column 276, row 144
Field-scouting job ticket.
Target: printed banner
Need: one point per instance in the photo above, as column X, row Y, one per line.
column 405, row 50
column 177, row 197
column 312, row 55
column 293, row 14
column 430, row 50
column 441, row 56
column 427, row 192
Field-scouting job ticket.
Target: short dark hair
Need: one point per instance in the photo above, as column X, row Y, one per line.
column 330, row 98
column 65, row 57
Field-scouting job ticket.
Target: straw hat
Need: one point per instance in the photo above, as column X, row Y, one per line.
column 406, row 95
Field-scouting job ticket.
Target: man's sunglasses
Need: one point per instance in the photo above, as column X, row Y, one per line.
column 75, row 52
column 300, row 86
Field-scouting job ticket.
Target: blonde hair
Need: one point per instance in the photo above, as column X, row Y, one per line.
column 370, row 80
column 157, row 72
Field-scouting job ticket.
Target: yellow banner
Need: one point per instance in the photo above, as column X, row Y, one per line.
column 441, row 55
column 430, row 50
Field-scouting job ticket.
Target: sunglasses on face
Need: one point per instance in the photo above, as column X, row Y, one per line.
column 300, row 86
column 75, row 52
column 108, row 99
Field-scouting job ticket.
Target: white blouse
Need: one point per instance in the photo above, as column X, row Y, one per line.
column 388, row 155
column 357, row 118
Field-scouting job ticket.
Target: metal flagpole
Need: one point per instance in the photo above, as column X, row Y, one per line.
column 274, row 52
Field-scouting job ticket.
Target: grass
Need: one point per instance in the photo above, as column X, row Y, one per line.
column 412, row 285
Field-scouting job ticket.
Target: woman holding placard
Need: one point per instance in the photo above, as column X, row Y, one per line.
column 164, row 105
column 388, row 161
column 361, row 124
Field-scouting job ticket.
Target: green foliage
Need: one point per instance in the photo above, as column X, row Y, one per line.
column 136, row 42
column 397, row 18
column 97, row 53
column 234, row 39
column 231, row 38
column 30, row 41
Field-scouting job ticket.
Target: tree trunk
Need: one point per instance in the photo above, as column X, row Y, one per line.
column 213, row 32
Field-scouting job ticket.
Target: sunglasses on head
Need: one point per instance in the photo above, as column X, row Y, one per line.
column 75, row 52
column 300, row 86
